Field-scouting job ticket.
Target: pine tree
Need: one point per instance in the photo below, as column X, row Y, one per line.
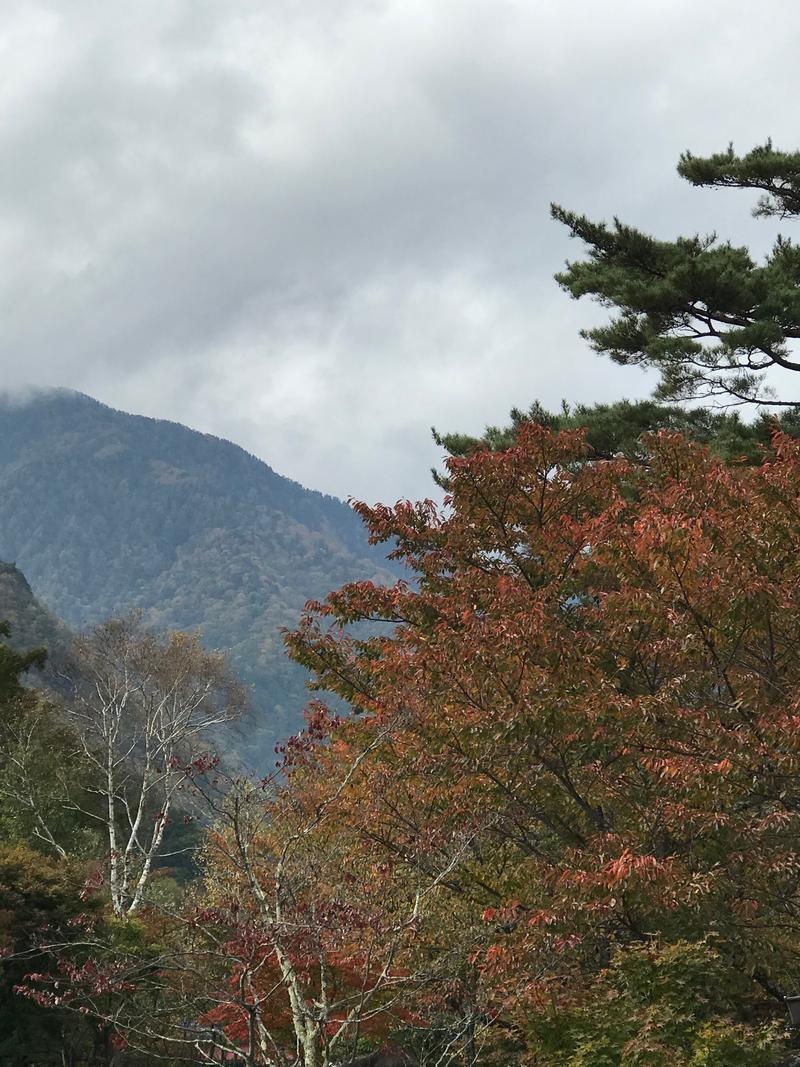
column 702, row 312
column 618, row 429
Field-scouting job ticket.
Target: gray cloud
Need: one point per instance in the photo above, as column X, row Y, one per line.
column 318, row 229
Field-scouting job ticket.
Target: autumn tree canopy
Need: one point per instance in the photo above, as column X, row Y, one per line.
column 557, row 825
column 594, row 675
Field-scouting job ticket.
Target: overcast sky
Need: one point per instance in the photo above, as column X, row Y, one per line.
column 318, row 227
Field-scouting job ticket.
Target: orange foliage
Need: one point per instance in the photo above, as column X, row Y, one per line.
column 592, row 689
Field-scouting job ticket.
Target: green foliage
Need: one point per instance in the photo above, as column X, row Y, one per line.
column 13, row 664
column 775, row 174
column 44, row 779
column 30, row 624
column 617, row 429
column 37, row 896
column 702, row 312
column 51, row 859
column 672, row 1005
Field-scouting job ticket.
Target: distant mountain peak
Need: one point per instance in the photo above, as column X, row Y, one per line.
column 29, row 395
column 106, row 511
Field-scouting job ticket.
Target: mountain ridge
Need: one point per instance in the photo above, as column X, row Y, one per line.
column 105, row 511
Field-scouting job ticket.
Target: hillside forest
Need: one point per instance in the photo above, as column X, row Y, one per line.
column 544, row 806
column 200, row 536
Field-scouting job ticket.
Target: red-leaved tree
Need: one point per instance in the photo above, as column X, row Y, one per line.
column 595, row 675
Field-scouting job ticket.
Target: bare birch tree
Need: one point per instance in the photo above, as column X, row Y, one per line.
column 294, row 947
column 142, row 707
column 322, row 952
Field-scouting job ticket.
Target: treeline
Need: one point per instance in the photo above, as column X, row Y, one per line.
column 551, row 817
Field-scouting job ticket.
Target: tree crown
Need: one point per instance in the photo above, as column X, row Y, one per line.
column 702, row 312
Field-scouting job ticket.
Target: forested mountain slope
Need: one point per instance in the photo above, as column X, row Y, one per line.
column 105, row 511
column 32, row 624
